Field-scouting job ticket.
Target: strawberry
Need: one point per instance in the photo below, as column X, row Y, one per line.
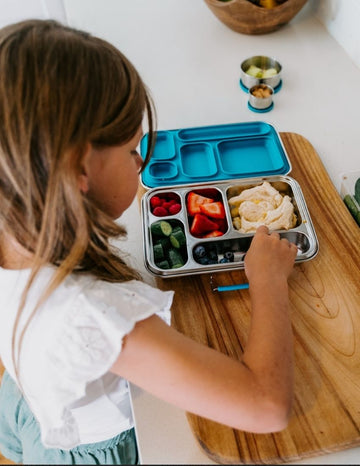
column 213, row 209
column 222, row 224
column 194, row 201
column 213, row 234
column 202, row 224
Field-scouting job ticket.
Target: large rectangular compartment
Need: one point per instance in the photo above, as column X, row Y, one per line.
column 217, row 162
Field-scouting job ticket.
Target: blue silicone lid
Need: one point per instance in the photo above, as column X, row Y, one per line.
column 214, row 153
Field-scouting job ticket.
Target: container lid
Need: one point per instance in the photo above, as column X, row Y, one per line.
column 214, row 153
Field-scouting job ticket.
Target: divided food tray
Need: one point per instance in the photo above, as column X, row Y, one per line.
column 215, row 153
column 232, row 241
column 216, row 162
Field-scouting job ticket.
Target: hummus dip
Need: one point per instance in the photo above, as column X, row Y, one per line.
column 262, row 205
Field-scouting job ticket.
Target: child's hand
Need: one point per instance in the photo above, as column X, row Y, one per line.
column 269, row 257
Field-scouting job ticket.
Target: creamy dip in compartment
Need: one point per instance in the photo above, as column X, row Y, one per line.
column 262, row 205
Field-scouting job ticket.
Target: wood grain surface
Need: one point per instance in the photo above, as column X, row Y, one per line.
column 325, row 309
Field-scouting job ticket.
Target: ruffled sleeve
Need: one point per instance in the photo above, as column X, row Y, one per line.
column 84, row 345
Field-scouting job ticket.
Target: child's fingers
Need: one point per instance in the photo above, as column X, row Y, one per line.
column 294, row 249
column 262, row 230
column 274, row 234
column 286, row 241
column 290, row 245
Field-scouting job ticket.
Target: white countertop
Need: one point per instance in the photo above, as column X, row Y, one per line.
column 191, row 63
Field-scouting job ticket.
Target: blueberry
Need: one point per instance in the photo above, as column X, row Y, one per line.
column 203, row 260
column 199, row 252
column 224, row 260
column 213, row 255
column 229, row 255
column 213, row 261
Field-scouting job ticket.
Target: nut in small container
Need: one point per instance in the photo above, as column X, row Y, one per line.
column 261, row 96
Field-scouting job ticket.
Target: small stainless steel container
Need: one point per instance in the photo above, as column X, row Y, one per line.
column 263, row 63
column 261, row 96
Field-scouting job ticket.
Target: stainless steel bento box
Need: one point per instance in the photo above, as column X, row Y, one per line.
column 232, row 241
column 215, row 163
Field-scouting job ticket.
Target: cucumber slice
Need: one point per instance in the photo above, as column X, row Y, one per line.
column 158, row 252
column 177, row 238
column 165, row 243
column 357, row 218
column 175, row 259
column 161, row 228
column 357, row 190
column 163, row 264
column 177, row 266
column 355, row 212
column 177, row 228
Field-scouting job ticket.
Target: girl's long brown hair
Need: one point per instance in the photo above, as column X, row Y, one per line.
column 61, row 89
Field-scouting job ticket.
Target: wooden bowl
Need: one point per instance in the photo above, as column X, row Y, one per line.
column 248, row 18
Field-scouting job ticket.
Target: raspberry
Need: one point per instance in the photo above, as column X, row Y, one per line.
column 167, row 204
column 160, row 211
column 174, row 209
column 155, row 201
column 173, row 196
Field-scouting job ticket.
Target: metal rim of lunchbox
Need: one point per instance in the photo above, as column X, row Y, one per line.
column 303, row 211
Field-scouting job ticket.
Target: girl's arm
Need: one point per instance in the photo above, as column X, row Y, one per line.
column 254, row 394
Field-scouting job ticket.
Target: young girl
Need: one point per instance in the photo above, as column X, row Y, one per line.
column 76, row 322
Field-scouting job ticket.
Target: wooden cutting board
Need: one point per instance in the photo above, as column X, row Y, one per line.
column 325, row 307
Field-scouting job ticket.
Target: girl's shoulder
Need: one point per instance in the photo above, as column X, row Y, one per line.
column 131, row 301
column 82, row 324
column 90, row 318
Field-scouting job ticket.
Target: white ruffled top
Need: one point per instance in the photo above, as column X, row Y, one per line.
column 70, row 346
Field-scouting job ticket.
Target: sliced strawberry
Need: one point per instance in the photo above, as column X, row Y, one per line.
column 194, row 201
column 213, row 209
column 222, row 224
column 202, row 224
column 213, row 234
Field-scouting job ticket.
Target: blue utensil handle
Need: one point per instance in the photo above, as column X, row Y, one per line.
column 240, row 286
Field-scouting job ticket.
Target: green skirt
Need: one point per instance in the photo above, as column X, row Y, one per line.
column 20, row 438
